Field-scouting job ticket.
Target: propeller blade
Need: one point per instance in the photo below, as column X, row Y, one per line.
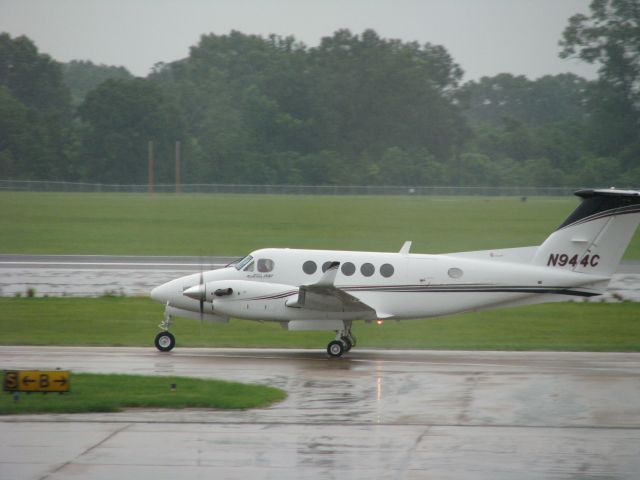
column 203, row 289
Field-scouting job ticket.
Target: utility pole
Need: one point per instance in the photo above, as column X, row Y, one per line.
column 178, row 187
column 150, row 168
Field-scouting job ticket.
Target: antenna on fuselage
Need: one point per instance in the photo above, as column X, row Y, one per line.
column 406, row 246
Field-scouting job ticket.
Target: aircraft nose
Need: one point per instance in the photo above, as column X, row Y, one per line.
column 160, row 294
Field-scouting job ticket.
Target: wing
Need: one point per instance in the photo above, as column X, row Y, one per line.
column 325, row 296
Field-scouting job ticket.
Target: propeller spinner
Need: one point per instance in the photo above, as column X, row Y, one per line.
column 198, row 292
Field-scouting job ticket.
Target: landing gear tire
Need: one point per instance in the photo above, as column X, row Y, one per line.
column 335, row 348
column 165, row 341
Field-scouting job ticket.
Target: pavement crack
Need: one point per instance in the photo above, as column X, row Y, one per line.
column 467, row 398
column 88, row 450
column 407, row 458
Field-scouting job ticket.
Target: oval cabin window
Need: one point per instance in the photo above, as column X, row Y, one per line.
column 309, row 267
column 367, row 269
column 386, row 270
column 348, row 269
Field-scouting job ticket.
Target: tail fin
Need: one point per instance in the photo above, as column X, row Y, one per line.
column 594, row 237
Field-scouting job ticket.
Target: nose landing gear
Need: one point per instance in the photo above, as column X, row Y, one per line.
column 165, row 341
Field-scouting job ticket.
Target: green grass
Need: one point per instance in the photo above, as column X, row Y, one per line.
column 112, row 393
column 163, row 224
column 133, row 322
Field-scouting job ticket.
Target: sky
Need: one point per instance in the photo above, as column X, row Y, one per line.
column 485, row 37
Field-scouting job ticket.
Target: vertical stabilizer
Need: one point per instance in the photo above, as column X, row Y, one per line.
column 594, row 237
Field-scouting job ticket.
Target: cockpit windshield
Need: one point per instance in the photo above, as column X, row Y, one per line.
column 242, row 263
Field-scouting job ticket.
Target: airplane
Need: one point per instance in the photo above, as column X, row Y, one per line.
column 307, row 290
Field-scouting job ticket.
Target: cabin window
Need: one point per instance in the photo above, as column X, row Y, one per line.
column 250, row 267
column 326, row 265
column 265, row 265
column 348, row 269
column 367, row 269
column 454, row 272
column 309, row 267
column 386, row 270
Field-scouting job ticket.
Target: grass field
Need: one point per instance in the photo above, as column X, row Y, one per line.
column 133, row 322
column 163, row 224
column 112, row 393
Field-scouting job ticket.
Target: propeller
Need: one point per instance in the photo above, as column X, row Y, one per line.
column 198, row 292
column 203, row 289
column 203, row 295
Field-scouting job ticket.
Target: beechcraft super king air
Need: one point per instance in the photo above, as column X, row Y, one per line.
column 329, row 290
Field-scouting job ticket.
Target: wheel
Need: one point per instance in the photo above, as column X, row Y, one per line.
column 347, row 343
column 165, row 341
column 335, row 348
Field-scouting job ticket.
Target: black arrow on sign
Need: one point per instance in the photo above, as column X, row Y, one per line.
column 27, row 380
column 61, row 381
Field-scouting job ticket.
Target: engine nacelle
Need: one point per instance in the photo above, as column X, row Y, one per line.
column 250, row 300
column 266, row 301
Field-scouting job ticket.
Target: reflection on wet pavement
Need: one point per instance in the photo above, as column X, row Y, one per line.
column 372, row 414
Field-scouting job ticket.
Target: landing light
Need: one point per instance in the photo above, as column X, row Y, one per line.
column 379, row 322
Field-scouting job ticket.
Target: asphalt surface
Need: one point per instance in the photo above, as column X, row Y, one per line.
column 371, row 414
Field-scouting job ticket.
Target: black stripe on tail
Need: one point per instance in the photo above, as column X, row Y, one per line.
column 602, row 203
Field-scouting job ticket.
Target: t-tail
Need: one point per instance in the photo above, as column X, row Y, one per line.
column 594, row 237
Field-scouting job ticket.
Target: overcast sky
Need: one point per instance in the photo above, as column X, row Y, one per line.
column 485, row 37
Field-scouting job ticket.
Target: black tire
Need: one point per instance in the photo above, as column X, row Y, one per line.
column 335, row 349
column 347, row 343
column 165, row 341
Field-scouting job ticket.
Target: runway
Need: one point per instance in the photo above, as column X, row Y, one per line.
column 96, row 275
column 372, row 414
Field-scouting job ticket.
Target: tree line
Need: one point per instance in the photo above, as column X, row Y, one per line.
column 357, row 109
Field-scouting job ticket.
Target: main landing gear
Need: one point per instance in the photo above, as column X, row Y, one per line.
column 165, row 341
column 343, row 342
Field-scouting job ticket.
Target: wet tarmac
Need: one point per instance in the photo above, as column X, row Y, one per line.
column 371, row 414
column 95, row 275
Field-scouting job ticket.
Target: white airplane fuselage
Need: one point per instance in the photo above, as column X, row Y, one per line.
column 328, row 290
column 419, row 286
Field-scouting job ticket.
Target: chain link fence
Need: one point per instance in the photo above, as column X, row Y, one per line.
column 57, row 186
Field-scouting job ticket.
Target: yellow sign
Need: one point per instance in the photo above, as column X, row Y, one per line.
column 36, row 381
